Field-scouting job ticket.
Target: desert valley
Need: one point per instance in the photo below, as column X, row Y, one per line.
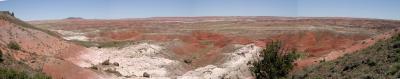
column 209, row 47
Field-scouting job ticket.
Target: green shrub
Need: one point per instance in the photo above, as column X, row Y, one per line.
column 394, row 69
column 274, row 63
column 14, row 45
column 6, row 73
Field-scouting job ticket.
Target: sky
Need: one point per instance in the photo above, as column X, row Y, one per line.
column 116, row 9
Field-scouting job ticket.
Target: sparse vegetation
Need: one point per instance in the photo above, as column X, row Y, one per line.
column 12, row 69
column 14, row 45
column 380, row 61
column 101, row 44
column 6, row 73
column 112, row 44
column 1, row 56
column 275, row 62
column 84, row 43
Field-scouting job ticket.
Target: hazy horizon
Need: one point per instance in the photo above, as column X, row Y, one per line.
column 120, row 9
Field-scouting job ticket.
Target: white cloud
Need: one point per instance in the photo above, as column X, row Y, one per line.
column 2, row 0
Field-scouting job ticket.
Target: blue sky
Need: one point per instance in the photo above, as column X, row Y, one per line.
column 383, row 9
column 114, row 9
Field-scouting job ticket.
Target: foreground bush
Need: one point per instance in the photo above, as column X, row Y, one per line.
column 274, row 63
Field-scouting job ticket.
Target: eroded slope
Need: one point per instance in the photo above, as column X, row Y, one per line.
column 39, row 50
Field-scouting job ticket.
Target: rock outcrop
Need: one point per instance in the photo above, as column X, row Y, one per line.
column 235, row 66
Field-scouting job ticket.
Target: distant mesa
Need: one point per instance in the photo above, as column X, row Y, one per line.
column 74, row 18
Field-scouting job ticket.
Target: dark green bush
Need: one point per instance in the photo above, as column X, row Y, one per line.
column 1, row 56
column 274, row 63
column 14, row 45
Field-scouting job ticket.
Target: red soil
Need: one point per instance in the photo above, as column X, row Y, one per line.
column 124, row 35
column 318, row 43
column 207, row 47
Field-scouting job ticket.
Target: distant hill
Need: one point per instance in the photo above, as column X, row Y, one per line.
column 74, row 18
